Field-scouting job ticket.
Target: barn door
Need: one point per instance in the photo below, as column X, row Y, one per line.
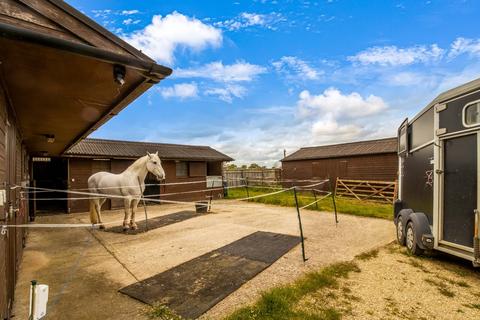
column 460, row 192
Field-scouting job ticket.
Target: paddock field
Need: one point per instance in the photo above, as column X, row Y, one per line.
column 85, row 268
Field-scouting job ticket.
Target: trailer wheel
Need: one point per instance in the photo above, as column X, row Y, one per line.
column 400, row 232
column 411, row 240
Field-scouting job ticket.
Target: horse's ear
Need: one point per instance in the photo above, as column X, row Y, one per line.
column 148, row 154
column 156, row 153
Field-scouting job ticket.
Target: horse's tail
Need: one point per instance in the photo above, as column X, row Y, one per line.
column 93, row 212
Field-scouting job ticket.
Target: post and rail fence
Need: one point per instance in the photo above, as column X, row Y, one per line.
column 381, row 191
column 237, row 177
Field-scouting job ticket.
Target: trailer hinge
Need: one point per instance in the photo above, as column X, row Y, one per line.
column 440, row 131
column 440, row 107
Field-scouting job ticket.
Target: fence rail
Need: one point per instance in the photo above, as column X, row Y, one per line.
column 257, row 176
column 382, row 191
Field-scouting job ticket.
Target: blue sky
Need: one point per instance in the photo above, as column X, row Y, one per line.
column 252, row 78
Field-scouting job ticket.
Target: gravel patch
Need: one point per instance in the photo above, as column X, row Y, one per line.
column 394, row 285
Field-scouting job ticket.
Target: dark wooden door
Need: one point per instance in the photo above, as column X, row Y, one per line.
column 460, row 189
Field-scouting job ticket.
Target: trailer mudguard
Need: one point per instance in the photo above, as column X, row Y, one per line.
column 403, row 214
column 422, row 229
column 397, row 207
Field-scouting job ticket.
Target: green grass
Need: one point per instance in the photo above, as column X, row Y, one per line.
column 162, row 312
column 280, row 302
column 364, row 256
column 473, row 305
column 442, row 287
column 344, row 205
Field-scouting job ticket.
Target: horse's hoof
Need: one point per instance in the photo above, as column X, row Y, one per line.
column 133, row 226
column 125, row 228
column 101, row 227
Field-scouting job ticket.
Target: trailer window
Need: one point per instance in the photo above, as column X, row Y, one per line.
column 471, row 114
column 402, row 138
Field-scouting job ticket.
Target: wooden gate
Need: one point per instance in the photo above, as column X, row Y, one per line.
column 383, row 191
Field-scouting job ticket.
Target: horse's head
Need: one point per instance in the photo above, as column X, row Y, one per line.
column 154, row 165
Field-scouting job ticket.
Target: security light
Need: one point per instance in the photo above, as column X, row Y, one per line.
column 119, row 73
column 50, row 138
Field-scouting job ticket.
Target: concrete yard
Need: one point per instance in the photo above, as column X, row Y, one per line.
column 85, row 268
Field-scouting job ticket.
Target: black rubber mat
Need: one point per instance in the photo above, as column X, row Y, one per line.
column 192, row 288
column 157, row 222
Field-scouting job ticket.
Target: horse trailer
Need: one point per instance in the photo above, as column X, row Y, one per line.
column 439, row 170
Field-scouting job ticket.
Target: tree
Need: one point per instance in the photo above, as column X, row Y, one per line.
column 254, row 166
column 231, row 166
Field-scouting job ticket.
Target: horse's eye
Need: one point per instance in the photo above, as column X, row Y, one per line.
column 154, row 162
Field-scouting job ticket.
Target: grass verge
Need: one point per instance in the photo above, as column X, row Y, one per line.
column 162, row 312
column 344, row 205
column 280, row 302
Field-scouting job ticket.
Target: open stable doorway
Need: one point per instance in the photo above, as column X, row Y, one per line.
column 49, row 173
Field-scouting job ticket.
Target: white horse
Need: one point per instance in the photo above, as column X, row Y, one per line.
column 129, row 184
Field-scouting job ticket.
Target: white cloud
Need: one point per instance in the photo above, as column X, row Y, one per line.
column 261, row 138
column 129, row 12
column 296, row 68
column 333, row 102
column 246, row 20
column 394, row 56
column 228, row 92
column 464, row 45
column 164, row 35
column 101, row 13
column 239, row 71
column 180, row 90
column 130, row 21
column 327, row 126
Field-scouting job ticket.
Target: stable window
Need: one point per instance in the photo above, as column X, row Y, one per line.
column 182, row 169
column 471, row 114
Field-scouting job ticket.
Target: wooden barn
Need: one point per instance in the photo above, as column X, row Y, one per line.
column 182, row 164
column 61, row 76
column 373, row 160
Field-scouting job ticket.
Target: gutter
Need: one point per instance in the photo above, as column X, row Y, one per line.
column 150, row 69
column 120, row 157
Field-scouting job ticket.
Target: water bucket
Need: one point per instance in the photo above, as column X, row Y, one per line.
column 201, row 206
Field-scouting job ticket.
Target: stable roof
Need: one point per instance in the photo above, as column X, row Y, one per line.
column 370, row 147
column 133, row 149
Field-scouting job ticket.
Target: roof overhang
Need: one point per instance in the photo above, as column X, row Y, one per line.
column 64, row 89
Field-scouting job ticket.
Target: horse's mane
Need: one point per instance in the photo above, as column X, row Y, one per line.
column 139, row 162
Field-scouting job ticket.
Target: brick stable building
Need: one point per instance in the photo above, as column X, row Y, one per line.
column 182, row 163
column 363, row 160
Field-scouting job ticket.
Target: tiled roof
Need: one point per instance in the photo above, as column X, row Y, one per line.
column 133, row 149
column 388, row 145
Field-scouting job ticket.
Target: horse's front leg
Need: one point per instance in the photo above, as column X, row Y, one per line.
column 134, row 205
column 98, row 207
column 126, row 203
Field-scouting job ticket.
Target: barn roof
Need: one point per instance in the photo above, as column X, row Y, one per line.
column 58, row 70
column 379, row 146
column 134, row 149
